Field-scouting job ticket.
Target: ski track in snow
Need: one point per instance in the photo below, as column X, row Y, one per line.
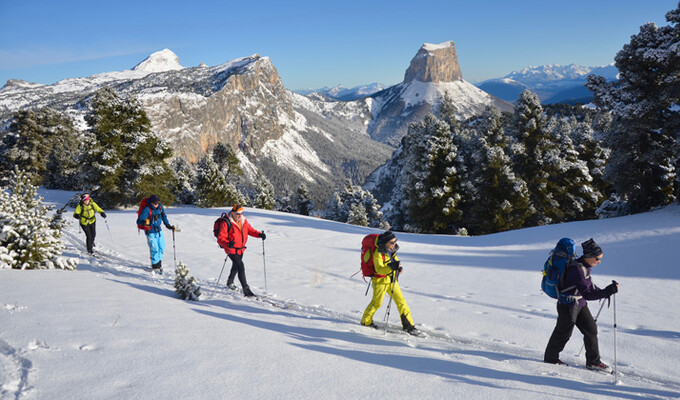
column 510, row 357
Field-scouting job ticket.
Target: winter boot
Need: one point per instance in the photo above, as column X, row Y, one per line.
column 599, row 367
column 408, row 327
column 371, row 325
column 157, row 268
column 247, row 292
column 231, row 285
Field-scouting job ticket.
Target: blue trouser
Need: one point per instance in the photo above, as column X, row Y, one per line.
column 156, row 241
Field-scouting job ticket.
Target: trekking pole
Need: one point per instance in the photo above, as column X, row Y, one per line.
column 614, row 336
column 596, row 316
column 389, row 305
column 264, row 266
column 174, row 251
column 220, row 276
column 107, row 228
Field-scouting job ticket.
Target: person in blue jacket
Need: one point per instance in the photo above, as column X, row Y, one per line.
column 151, row 217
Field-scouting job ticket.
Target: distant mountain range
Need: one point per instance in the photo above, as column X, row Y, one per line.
column 552, row 83
column 342, row 93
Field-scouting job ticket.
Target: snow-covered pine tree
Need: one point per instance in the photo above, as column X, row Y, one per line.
column 499, row 199
column 357, row 215
column 186, row 285
column 226, row 159
column 340, row 205
column 644, row 101
column 36, row 140
column 573, row 184
column 211, row 185
column 264, row 198
column 533, row 145
column 26, row 239
column 434, row 182
column 303, row 203
column 183, row 182
column 125, row 160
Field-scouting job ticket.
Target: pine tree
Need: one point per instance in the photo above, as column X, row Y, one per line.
column 186, row 285
column 643, row 137
column 40, row 143
column 341, row 203
column 265, row 198
column 302, row 201
column 226, row 160
column 26, row 239
column 534, row 146
column 357, row 215
column 125, row 160
column 434, row 182
column 499, row 199
column 183, row 183
column 211, row 186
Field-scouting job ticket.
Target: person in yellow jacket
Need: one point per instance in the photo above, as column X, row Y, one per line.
column 385, row 280
column 85, row 211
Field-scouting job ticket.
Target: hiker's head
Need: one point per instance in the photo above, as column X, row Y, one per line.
column 592, row 253
column 237, row 212
column 387, row 239
column 154, row 200
column 85, row 198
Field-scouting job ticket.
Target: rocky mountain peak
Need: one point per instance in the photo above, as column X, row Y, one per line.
column 435, row 63
column 160, row 61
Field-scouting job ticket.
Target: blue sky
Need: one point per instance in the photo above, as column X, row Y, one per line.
column 314, row 43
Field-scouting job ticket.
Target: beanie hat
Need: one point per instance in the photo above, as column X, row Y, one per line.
column 84, row 196
column 237, row 208
column 154, row 199
column 385, row 237
column 591, row 249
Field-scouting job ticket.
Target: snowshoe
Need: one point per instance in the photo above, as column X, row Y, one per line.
column 371, row 325
column 602, row 367
column 232, row 286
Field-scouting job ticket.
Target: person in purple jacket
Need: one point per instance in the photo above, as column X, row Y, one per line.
column 574, row 310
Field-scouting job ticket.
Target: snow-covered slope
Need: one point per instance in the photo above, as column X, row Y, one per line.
column 110, row 330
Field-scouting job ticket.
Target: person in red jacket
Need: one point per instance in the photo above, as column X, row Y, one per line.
column 233, row 240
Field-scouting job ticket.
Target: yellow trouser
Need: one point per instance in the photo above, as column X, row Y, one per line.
column 380, row 287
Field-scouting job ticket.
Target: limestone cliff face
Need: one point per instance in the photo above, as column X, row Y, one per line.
column 435, row 63
column 245, row 109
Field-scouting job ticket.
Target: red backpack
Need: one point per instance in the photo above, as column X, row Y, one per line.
column 217, row 225
column 367, row 249
column 142, row 206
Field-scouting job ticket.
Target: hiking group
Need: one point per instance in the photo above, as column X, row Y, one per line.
column 567, row 278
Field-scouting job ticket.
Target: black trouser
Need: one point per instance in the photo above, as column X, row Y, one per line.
column 237, row 267
column 90, row 233
column 565, row 325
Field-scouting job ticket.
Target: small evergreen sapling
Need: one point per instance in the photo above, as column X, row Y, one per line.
column 185, row 284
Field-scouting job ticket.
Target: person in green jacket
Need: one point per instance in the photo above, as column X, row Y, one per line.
column 85, row 211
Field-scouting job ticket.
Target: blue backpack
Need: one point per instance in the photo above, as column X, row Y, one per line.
column 555, row 265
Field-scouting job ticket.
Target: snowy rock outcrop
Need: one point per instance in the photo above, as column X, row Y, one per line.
column 433, row 73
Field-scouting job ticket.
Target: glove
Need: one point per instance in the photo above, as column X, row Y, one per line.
column 263, row 236
column 103, row 214
column 612, row 288
column 394, row 265
column 172, row 227
column 146, row 222
column 230, row 244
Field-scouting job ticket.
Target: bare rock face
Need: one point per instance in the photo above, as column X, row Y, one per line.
column 243, row 107
column 435, row 63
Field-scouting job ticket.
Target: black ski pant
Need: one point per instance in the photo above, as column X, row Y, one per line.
column 237, row 267
column 90, row 233
column 567, row 317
